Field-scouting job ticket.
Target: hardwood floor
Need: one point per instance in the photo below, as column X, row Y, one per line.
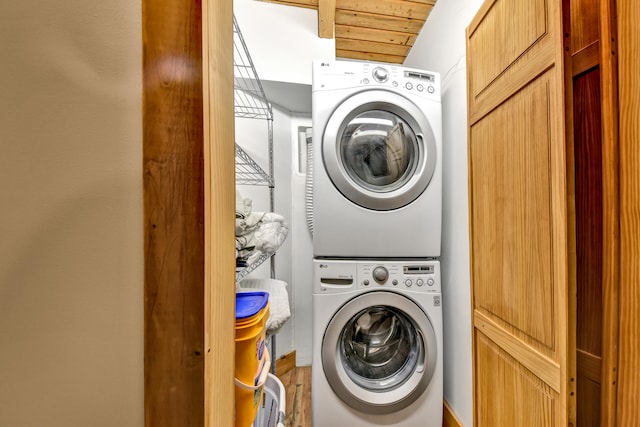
column 297, row 383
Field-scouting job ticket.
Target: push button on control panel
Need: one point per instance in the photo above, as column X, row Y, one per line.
column 419, row 282
column 430, row 282
column 430, row 89
column 409, row 85
column 408, row 283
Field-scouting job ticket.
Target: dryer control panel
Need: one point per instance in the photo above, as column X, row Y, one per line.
column 332, row 75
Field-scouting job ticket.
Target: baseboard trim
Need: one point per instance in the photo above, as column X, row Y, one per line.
column 449, row 418
column 285, row 363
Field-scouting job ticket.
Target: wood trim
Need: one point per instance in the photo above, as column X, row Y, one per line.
column 543, row 367
column 172, row 111
column 285, row 363
column 326, row 18
column 219, row 216
column 586, row 58
column 571, row 365
column 629, row 199
column 449, row 418
column 610, row 212
column 474, row 386
column 589, row 365
column 564, row 182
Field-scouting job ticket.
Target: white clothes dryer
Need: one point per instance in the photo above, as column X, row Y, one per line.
column 377, row 168
column 377, row 343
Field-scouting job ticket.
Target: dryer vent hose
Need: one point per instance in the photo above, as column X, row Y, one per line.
column 308, row 185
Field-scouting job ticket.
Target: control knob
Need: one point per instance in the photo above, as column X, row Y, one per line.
column 380, row 274
column 380, row 74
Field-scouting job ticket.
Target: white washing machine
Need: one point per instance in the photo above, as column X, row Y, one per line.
column 377, row 344
column 377, row 168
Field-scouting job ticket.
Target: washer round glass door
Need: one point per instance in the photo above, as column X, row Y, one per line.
column 379, row 150
column 379, row 352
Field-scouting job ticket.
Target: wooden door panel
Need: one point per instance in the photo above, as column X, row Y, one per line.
column 503, row 44
column 507, row 393
column 521, row 216
column 512, row 215
column 514, row 42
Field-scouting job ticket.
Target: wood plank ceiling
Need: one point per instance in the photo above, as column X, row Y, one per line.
column 370, row 30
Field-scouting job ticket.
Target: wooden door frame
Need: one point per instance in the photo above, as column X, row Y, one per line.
column 188, row 180
column 610, row 213
column 627, row 379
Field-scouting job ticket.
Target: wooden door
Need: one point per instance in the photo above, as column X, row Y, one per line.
column 521, row 216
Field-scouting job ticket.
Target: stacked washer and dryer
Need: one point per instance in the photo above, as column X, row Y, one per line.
column 377, row 208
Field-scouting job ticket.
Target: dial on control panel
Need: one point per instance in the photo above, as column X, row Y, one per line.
column 380, row 274
column 380, row 74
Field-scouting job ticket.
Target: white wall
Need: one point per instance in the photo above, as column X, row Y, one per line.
column 71, row 252
column 441, row 47
column 282, row 40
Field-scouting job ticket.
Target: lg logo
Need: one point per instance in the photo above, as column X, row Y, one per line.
column 323, row 266
column 324, row 64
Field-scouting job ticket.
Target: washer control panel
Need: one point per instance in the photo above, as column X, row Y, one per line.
column 335, row 276
column 331, row 75
column 421, row 276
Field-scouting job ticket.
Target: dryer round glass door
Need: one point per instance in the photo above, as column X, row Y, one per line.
column 379, row 150
column 379, row 352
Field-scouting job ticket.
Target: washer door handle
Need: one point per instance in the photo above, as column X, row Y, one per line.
column 422, row 357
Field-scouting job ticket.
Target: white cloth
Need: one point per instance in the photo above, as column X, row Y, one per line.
column 249, row 223
column 243, row 206
column 265, row 238
column 279, row 311
column 271, row 233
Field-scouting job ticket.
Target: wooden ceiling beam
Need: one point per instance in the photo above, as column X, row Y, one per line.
column 351, row 22
column 367, row 46
column 381, row 22
column 326, row 18
column 309, row 4
column 374, row 35
column 370, row 56
column 398, row 8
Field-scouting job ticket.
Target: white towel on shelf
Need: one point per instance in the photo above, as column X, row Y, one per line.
column 243, row 206
column 271, row 232
column 279, row 311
